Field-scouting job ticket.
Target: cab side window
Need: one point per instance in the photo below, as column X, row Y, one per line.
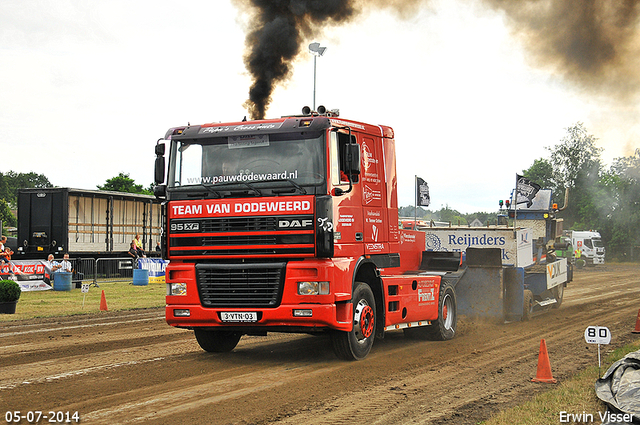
column 343, row 141
column 339, row 166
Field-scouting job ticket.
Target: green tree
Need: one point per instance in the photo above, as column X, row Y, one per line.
column 11, row 182
column 541, row 172
column 577, row 166
column 606, row 200
column 451, row 216
column 7, row 217
column 123, row 183
column 576, row 151
column 410, row 210
column 484, row 217
column 619, row 219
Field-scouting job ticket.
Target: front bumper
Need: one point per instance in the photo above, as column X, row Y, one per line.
column 323, row 316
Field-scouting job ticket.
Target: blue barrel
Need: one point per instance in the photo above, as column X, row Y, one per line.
column 140, row 277
column 62, row 281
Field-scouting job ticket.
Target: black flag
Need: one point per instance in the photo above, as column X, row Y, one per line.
column 422, row 193
column 525, row 190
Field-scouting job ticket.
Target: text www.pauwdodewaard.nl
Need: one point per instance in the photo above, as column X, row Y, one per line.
column 243, row 177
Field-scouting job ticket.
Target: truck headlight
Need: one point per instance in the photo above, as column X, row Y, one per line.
column 313, row 288
column 176, row 289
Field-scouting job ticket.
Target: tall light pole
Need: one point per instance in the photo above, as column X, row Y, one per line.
column 315, row 50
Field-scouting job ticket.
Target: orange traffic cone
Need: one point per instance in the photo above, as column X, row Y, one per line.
column 103, row 302
column 544, row 367
column 637, row 329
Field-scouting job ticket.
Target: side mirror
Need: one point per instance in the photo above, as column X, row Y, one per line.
column 159, row 170
column 160, row 149
column 160, row 191
column 352, row 159
column 159, row 165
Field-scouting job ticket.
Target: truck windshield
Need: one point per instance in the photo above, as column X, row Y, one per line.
column 265, row 160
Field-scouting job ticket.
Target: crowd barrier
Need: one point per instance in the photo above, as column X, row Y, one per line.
column 96, row 270
column 37, row 275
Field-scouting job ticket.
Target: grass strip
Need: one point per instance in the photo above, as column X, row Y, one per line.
column 575, row 396
column 118, row 295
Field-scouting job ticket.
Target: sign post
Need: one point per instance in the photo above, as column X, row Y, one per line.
column 597, row 335
column 85, row 289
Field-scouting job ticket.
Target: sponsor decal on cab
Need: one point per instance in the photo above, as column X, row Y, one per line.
column 240, row 207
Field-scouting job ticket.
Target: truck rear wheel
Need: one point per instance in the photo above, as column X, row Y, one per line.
column 356, row 344
column 558, row 293
column 444, row 328
column 527, row 308
column 217, row 341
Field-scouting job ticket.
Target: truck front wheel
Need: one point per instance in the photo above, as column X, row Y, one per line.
column 356, row 344
column 217, row 341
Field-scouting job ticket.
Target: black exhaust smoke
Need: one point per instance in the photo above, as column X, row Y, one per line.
column 591, row 43
column 279, row 29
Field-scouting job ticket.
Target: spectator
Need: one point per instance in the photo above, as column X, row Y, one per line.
column 48, row 265
column 134, row 253
column 62, row 266
column 138, row 244
column 158, row 248
column 8, row 252
column 4, row 256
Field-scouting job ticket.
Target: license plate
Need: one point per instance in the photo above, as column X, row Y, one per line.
column 239, row 316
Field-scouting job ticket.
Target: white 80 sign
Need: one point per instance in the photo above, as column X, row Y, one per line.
column 597, row 335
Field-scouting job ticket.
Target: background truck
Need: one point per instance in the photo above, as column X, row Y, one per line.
column 291, row 225
column 589, row 243
column 84, row 223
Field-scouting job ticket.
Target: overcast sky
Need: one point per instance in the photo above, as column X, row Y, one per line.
column 87, row 87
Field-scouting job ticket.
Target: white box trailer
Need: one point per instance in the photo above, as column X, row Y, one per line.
column 84, row 222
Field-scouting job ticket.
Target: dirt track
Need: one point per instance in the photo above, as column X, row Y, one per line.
column 130, row 367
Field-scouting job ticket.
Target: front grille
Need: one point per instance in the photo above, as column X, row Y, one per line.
column 240, row 285
column 262, row 239
column 239, row 224
column 283, row 236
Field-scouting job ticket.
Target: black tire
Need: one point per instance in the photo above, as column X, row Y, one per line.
column 217, row 341
column 527, row 305
column 356, row 344
column 444, row 328
column 558, row 294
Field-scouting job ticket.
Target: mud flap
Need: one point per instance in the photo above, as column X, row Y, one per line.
column 513, row 280
column 479, row 291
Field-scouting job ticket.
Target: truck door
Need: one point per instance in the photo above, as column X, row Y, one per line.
column 372, row 176
column 347, row 212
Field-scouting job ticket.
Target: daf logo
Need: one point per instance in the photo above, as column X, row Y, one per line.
column 294, row 223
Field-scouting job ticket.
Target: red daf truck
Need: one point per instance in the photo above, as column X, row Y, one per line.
column 291, row 225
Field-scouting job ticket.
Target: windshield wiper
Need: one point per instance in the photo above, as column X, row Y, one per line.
column 296, row 185
column 249, row 185
column 191, row 188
